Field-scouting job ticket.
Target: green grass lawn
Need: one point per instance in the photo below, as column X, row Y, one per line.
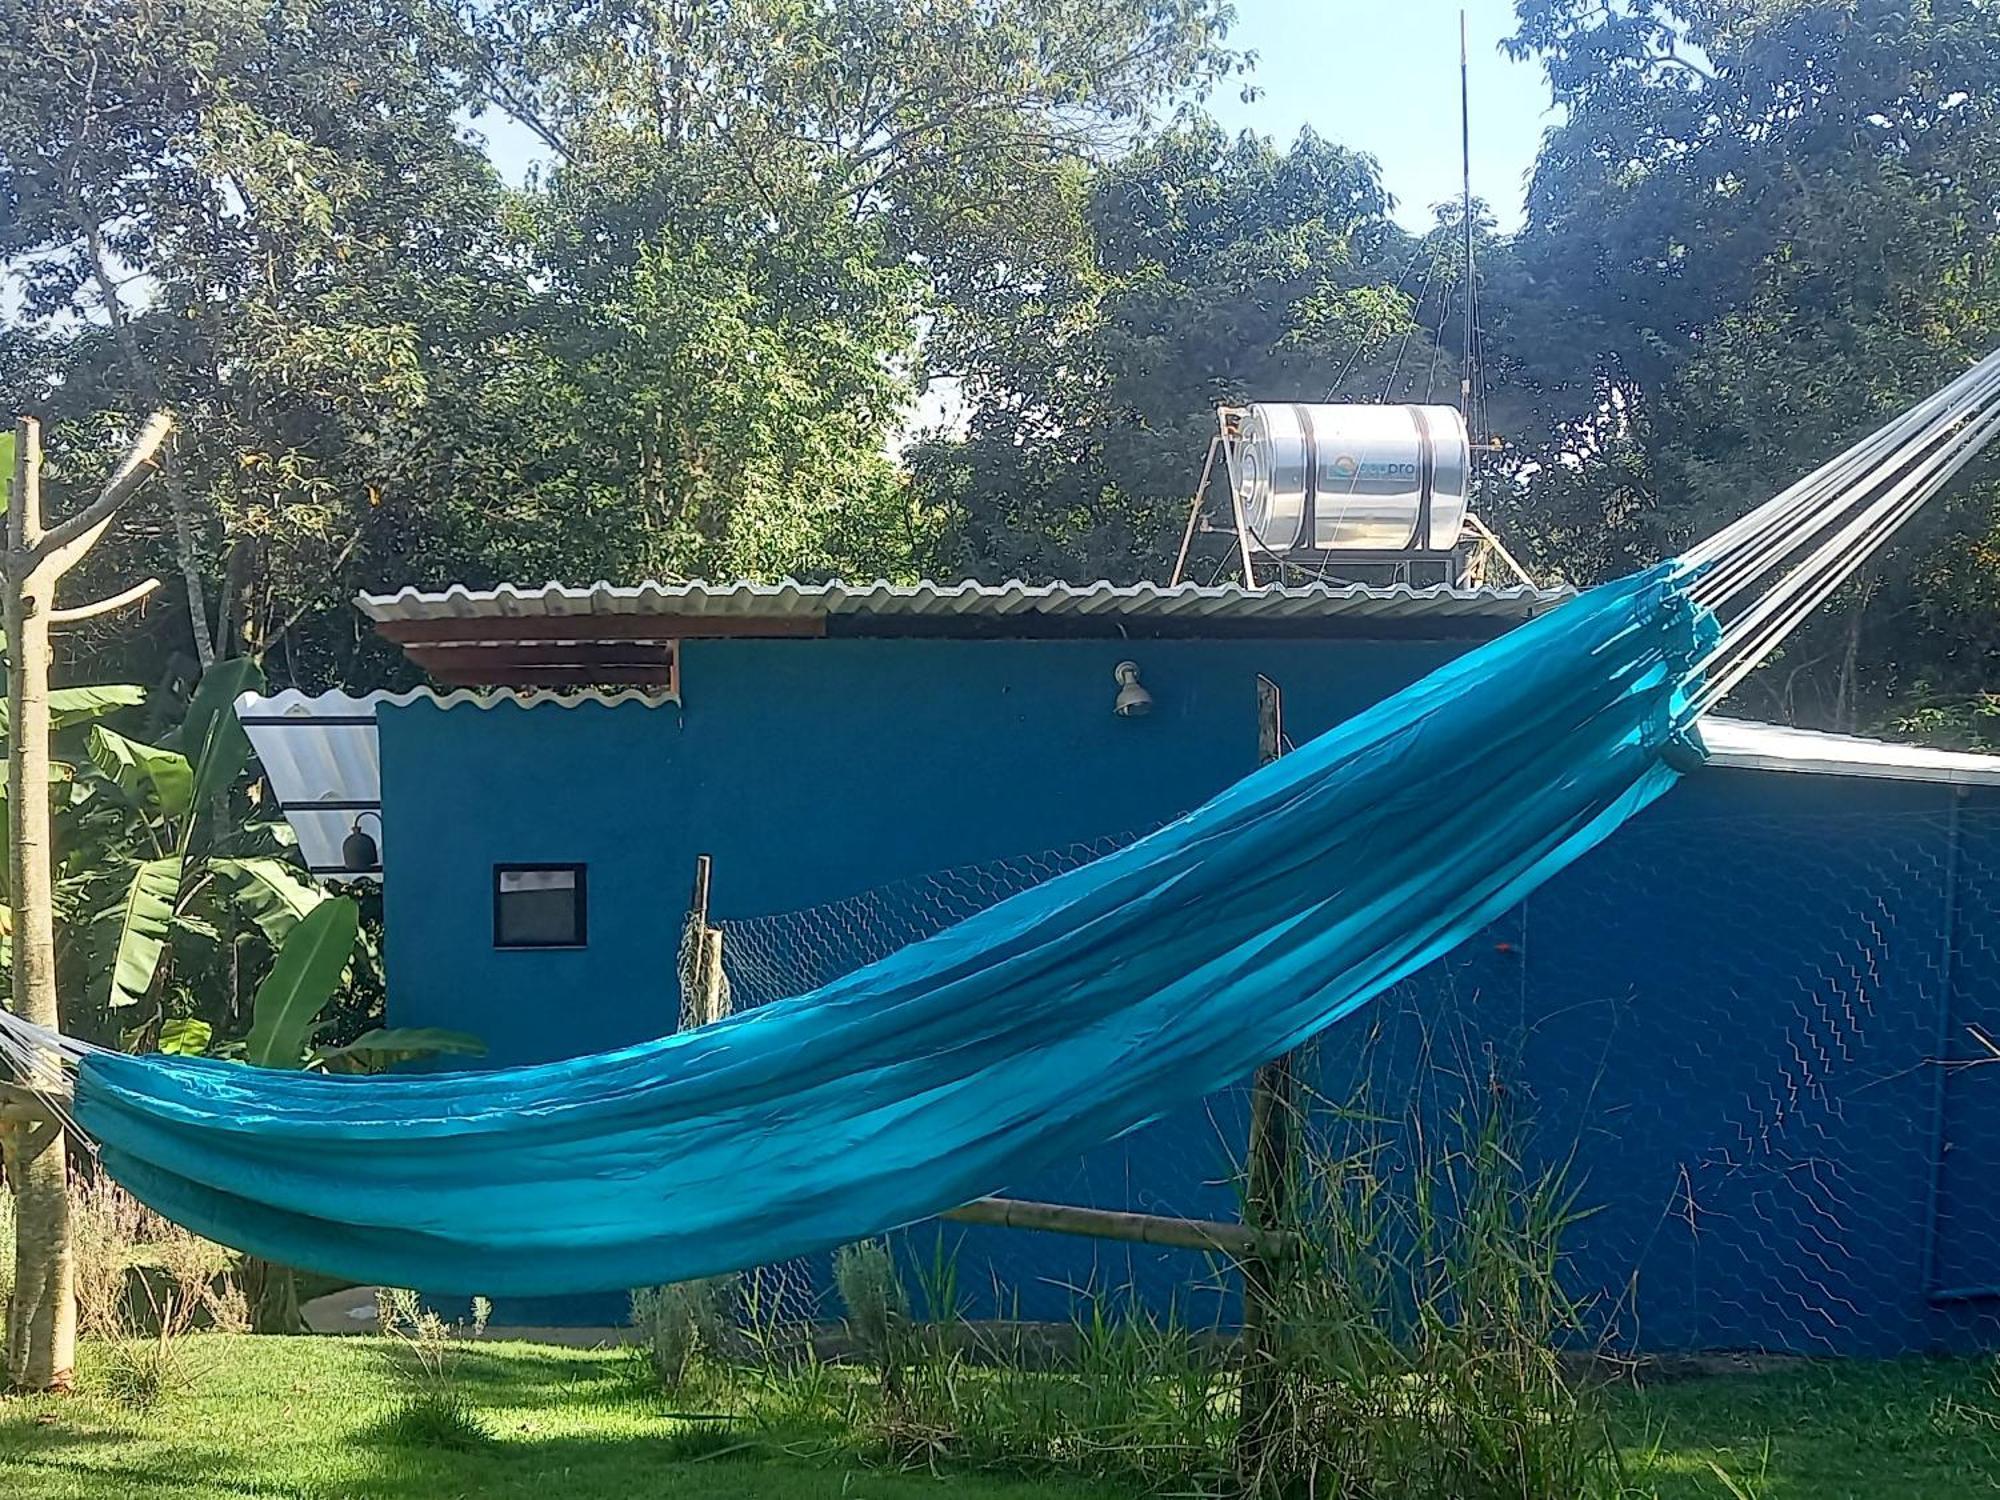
column 1893, row 1430
column 270, row 1417
column 304, row 1418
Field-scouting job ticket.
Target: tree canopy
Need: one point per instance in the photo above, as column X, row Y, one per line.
column 689, row 342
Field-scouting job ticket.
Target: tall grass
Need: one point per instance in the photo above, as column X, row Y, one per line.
column 432, row 1408
column 143, row 1284
column 1425, row 1324
column 1422, row 1340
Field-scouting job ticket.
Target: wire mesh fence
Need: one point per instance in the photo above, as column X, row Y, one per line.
column 1754, row 1038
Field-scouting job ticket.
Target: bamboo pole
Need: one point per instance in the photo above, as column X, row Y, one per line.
column 691, row 974
column 714, row 990
column 1235, row 1240
column 1194, row 513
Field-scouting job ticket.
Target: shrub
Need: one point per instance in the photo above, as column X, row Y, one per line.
column 105, row 1225
column 140, row 1372
column 436, row 1417
column 432, row 1409
column 680, row 1327
column 878, row 1308
column 139, row 1273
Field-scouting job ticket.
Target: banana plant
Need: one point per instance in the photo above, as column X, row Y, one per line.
column 285, row 1016
column 169, row 888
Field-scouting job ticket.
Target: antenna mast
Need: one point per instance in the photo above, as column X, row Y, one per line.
column 1465, row 160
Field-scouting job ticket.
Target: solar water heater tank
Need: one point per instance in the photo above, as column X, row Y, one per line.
column 1313, row 479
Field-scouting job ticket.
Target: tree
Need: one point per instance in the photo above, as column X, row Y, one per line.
column 1760, row 229
column 686, row 347
column 1218, row 270
column 756, row 207
column 41, row 1335
column 269, row 218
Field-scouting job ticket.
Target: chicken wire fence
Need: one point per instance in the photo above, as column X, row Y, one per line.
column 1756, row 1045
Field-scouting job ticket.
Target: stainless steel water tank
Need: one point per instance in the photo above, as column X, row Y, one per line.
column 1349, row 478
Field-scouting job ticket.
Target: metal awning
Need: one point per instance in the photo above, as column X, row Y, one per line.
column 320, row 754
column 1749, row 745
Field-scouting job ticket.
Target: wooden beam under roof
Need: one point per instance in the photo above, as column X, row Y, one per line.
column 560, row 665
column 499, row 630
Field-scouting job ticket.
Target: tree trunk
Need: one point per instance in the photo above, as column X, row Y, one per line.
column 41, row 1323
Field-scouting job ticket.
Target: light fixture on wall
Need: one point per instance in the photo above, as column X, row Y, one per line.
column 359, row 853
column 1133, row 700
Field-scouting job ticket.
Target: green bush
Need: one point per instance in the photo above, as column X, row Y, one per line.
column 680, row 1327
column 432, row 1409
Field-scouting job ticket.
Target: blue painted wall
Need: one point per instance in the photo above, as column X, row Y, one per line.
column 1725, row 1020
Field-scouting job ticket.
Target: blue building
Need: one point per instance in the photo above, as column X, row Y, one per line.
column 1753, row 1023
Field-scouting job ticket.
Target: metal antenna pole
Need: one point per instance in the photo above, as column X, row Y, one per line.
column 1465, row 161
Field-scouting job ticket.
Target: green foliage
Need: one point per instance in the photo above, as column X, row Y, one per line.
column 271, row 893
column 156, row 780
column 1760, row 228
column 210, row 734
column 685, row 347
column 681, row 1326
column 70, row 706
column 308, row 969
column 1215, row 269
column 186, row 1036
column 144, row 923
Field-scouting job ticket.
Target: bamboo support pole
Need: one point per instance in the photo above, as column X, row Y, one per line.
column 714, row 992
column 1237, row 1241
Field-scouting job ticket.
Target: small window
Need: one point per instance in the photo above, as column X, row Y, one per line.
column 538, row 906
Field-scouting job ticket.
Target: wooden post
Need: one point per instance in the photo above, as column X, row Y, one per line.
column 714, row 989
column 41, row 1325
column 1267, row 1196
column 698, row 897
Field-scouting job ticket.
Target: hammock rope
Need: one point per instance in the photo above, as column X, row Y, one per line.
column 1065, row 1015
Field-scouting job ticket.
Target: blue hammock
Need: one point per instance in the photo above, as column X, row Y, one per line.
column 1029, row 1033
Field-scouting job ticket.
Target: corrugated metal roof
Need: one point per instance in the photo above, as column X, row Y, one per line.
column 801, row 601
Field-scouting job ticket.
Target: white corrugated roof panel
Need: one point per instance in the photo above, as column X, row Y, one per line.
column 323, row 749
column 803, row 601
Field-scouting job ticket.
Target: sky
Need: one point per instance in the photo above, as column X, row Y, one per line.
column 1381, row 76
column 1377, row 75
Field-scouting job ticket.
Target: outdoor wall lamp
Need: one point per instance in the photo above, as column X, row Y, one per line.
column 1133, row 701
column 359, row 853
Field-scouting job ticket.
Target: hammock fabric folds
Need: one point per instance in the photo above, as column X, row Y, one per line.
column 1029, row 1033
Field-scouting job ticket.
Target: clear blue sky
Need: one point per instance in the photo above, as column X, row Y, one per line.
column 1377, row 75
column 1382, row 76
